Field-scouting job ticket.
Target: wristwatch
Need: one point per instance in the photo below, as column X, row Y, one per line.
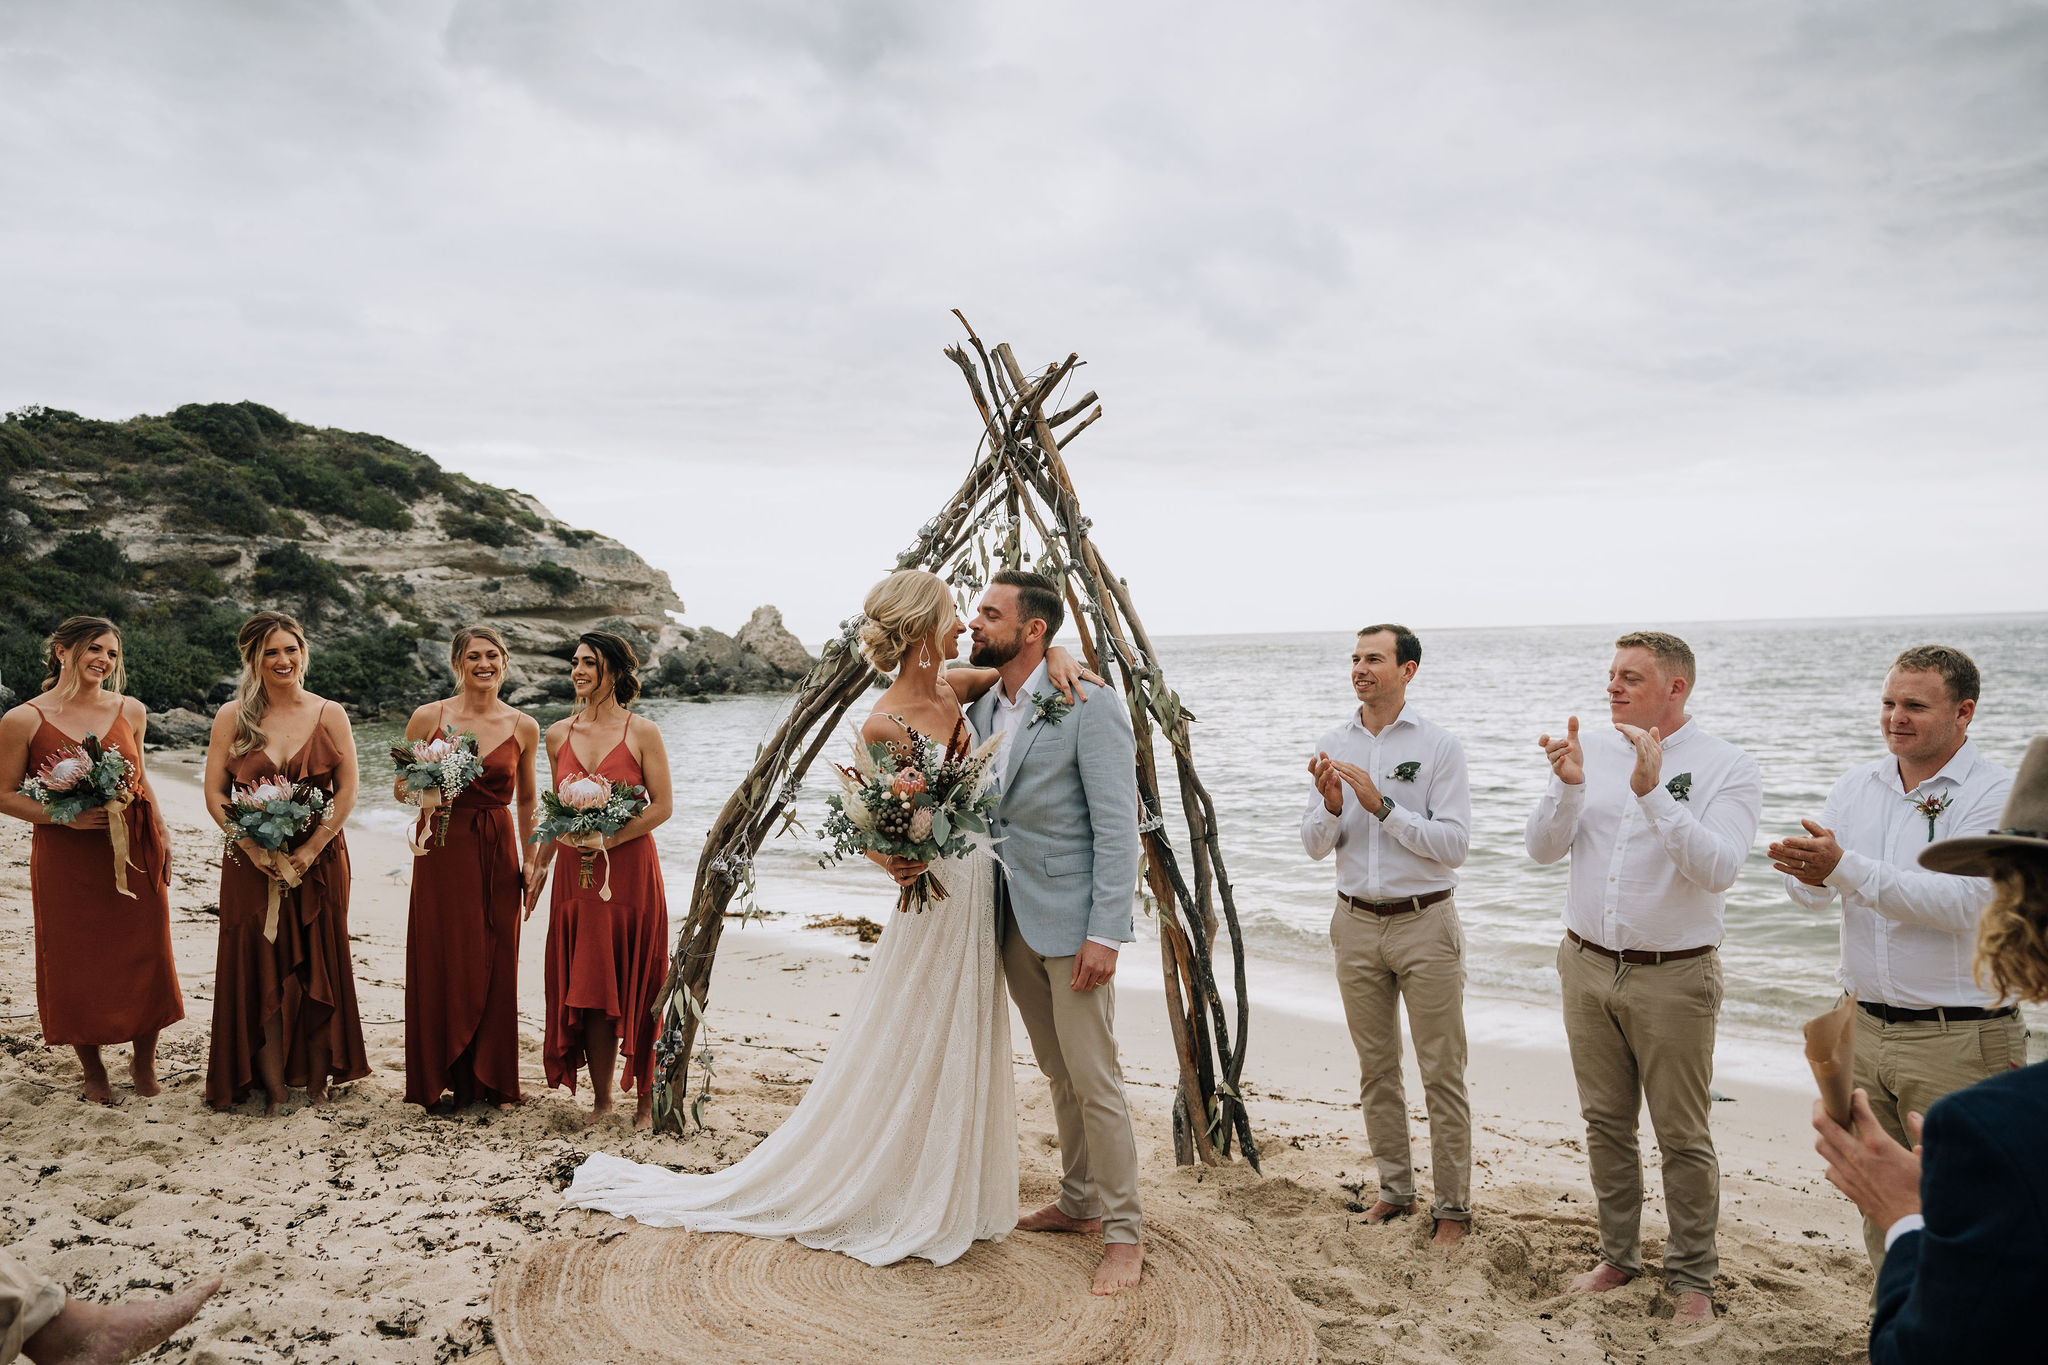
column 1386, row 808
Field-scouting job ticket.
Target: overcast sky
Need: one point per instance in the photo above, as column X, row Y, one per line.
column 1459, row 312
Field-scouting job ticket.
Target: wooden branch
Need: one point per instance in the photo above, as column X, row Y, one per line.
column 1061, row 418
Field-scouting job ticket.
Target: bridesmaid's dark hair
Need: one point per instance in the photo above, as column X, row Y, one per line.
column 76, row 631
column 621, row 662
column 252, row 700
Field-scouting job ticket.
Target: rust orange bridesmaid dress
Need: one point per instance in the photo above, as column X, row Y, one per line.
column 305, row 976
column 605, row 957
column 104, row 972
column 462, row 946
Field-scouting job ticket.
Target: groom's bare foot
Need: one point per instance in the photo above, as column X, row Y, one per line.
column 1383, row 1212
column 1599, row 1280
column 1052, row 1218
column 1123, row 1264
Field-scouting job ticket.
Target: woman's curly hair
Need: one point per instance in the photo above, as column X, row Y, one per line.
column 2012, row 938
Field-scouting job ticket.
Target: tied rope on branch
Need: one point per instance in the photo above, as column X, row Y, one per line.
column 1017, row 497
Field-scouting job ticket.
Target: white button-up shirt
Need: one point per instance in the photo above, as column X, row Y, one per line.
column 1012, row 715
column 1419, row 846
column 1650, row 872
column 1909, row 936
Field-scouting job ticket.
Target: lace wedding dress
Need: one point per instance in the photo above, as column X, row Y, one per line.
column 906, row 1144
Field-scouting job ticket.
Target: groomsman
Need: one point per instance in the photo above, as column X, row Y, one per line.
column 1393, row 803
column 1657, row 817
column 1924, row 1026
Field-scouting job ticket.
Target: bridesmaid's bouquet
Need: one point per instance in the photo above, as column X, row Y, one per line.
column 271, row 814
column 435, row 771
column 84, row 777
column 584, row 813
column 922, row 802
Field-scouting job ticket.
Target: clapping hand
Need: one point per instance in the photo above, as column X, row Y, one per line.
column 1322, row 769
column 1809, row 860
column 1567, row 757
column 1649, row 757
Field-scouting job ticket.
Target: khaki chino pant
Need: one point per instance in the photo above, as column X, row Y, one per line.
column 1906, row 1067
column 28, row 1302
column 1642, row 1032
column 1073, row 1036
column 1418, row 958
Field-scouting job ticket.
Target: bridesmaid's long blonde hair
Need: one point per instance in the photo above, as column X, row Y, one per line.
column 250, row 698
column 76, row 631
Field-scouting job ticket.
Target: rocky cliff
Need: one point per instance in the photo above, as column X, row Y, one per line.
column 179, row 525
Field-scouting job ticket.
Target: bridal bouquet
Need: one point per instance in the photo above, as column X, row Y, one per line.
column 75, row 780
column 587, row 811
column 435, row 771
column 920, row 802
column 271, row 814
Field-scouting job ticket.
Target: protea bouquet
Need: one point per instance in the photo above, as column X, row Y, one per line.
column 583, row 813
column 919, row 801
column 81, row 777
column 435, row 770
column 271, row 814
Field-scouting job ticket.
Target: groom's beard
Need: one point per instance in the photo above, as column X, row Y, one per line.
column 994, row 653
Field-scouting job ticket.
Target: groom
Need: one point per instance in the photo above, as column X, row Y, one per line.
column 1068, row 824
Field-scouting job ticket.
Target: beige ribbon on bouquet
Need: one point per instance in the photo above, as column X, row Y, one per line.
column 581, row 843
column 279, row 862
column 117, row 835
column 422, row 834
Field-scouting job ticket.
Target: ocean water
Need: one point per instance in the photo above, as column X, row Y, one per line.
column 1799, row 696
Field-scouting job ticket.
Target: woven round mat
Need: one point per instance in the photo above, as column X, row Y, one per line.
column 653, row 1294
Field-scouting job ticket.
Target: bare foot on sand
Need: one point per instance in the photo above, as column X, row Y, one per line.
column 643, row 1113
column 269, row 1105
column 1599, row 1280
column 317, row 1098
column 1052, row 1218
column 1693, row 1308
column 142, row 1074
column 91, row 1332
column 97, row 1088
column 1449, row 1232
column 1122, row 1265
column 1383, row 1212
column 599, row 1108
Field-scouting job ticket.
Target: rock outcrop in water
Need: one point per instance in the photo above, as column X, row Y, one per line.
column 177, row 526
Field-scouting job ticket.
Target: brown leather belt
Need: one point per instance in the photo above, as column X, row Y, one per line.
column 1400, row 907
column 1638, row 956
column 1955, row 1014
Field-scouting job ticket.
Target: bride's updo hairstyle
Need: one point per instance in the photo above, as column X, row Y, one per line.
column 903, row 610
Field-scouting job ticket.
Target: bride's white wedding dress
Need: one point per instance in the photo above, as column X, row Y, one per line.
column 906, row 1144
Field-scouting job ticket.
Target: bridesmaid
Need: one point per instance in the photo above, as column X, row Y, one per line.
column 104, row 973
column 606, row 959
column 462, row 936
column 284, row 1012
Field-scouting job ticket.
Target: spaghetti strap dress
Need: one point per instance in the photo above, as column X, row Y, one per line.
column 604, row 957
column 462, row 946
column 104, row 971
column 306, row 975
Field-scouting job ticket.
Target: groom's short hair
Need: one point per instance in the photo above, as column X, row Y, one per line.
column 1037, row 598
column 1407, row 649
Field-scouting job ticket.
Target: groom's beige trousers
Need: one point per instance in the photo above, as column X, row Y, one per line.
column 1073, row 1035
column 28, row 1302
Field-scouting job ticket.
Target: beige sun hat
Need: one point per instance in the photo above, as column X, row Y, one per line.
column 2023, row 827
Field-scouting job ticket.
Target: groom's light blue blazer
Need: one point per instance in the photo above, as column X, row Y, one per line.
column 1068, row 822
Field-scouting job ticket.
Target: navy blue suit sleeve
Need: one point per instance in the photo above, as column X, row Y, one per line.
column 1968, row 1286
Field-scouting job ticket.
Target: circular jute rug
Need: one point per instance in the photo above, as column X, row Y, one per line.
column 654, row 1295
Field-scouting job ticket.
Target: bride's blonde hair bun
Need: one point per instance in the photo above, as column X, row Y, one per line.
column 906, row 607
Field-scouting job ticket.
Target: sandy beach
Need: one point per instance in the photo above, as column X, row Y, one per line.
column 368, row 1231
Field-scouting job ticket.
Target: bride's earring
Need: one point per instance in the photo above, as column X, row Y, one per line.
column 924, row 656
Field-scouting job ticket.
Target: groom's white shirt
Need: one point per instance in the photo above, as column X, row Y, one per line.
column 1012, row 714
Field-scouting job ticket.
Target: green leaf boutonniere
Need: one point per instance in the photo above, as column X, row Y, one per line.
column 1405, row 772
column 1680, row 786
column 1049, row 707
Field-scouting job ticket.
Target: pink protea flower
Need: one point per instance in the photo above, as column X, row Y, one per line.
column 64, row 771
column 921, row 824
column 432, row 750
column 585, row 793
column 270, row 789
column 908, row 782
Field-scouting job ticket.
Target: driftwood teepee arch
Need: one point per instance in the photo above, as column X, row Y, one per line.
column 1017, row 505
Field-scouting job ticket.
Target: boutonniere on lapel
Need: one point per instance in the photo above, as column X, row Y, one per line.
column 1930, row 808
column 1680, row 787
column 1404, row 772
column 1049, row 707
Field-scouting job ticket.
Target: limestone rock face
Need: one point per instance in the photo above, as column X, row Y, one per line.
column 766, row 636
column 177, row 729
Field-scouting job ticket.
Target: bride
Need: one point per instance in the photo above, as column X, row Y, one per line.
column 906, row 1143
